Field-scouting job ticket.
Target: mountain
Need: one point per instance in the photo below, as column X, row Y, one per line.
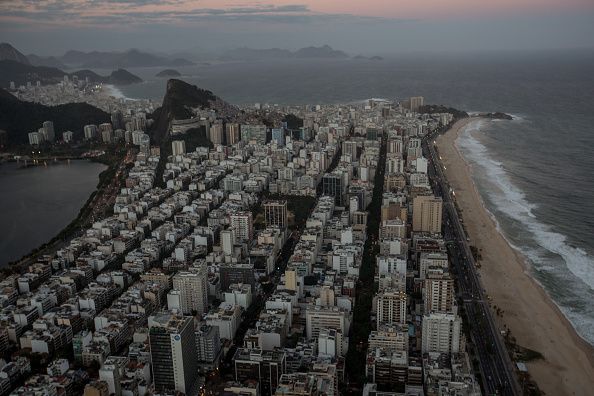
column 8, row 52
column 180, row 97
column 18, row 118
column 21, row 74
column 108, row 60
column 168, row 73
column 49, row 61
column 251, row 54
column 123, row 77
column 320, row 52
column 91, row 75
column 373, row 58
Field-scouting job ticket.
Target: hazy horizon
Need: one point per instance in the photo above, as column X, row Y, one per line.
column 376, row 27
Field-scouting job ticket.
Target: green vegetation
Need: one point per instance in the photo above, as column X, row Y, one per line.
column 293, row 122
column 365, row 288
column 528, row 355
column 431, row 109
column 195, row 138
column 19, row 118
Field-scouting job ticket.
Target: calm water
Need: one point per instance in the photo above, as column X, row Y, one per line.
column 535, row 173
column 38, row 202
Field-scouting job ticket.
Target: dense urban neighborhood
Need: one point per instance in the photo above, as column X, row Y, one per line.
column 269, row 250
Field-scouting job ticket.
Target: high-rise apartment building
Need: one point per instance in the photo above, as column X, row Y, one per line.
column 35, row 138
column 278, row 135
column 389, row 337
column 266, row 367
column 236, row 273
column 333, row 184
column 439, row 291
column 208, row 345
column 275, row 213
column 173, row 352
column 256, row 133
column 232, row 134
column 416, row 102
column 391, row 307
column 178, row 147
column 351, row 147
column 427, row 211
column 48, row 131
column 243, row 226
column 117, row 120
column 441, row 333
column 291, row 279
column 317, row 318
column 193, row 288
column 215, row 133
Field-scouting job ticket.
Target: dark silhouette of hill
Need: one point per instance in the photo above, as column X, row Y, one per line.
column 123, row 77
column 49, row 61
column 112, row 59
column 21, row 73
column 324, row 51
column 8, row 52
column 168, row 73
column 251, row 54
column 179, row 100
column 18, row 118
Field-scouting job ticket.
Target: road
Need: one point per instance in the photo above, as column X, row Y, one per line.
column 497, row 369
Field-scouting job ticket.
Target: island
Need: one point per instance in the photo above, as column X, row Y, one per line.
column 123, row 77
column 168, row 73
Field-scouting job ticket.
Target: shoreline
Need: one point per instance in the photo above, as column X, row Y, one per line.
column 533, row 317
column 114, row 92
column 105, row 180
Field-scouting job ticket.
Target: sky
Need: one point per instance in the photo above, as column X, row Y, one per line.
column 51, row 27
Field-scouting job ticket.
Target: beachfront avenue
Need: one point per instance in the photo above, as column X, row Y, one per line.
column 497, row 369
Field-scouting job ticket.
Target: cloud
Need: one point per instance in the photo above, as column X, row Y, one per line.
column 109, row 13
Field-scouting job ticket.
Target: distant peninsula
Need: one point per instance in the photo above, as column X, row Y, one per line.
column 497, row 116
column 373, row 58
column 21, row 74
column 168, row 73
column 251, row 54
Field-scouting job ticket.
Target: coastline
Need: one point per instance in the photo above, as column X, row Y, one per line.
column 114, row 91
column 531, row 315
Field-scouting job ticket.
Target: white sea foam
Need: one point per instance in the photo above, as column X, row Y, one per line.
column 114, row 91
column 510, row 200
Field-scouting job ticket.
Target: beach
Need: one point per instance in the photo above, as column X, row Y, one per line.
column 534, row 320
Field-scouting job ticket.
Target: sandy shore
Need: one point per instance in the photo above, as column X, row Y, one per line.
column 535, row 321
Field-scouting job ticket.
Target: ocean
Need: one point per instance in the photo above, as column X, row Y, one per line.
column 535, row 173
column 36, row 203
